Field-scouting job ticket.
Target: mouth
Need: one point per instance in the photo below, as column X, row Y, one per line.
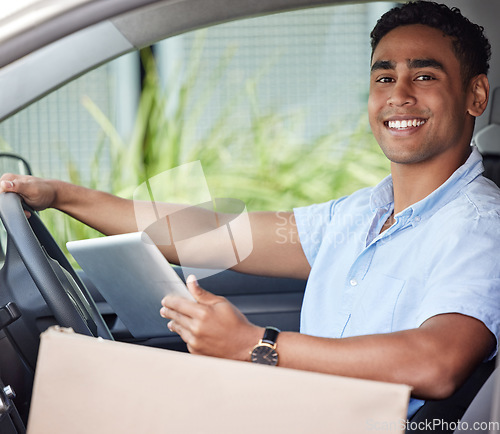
column 404, row 124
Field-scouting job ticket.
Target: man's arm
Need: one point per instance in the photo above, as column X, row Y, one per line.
column 434, row 359
column 276, row 249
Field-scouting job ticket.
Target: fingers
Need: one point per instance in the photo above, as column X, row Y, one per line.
column 203, row 324
column 180, row 326
column 7, row 182
column 12, row 183
column 199, row 294
column 180, row 309
column 186, row 315
column 183, row 332
column 36, row 192
column 7, row 185
column 176, row 313
column 188, row 307
column 184, row 318
column 172, row 303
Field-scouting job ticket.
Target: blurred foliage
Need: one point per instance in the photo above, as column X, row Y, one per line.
column 268, row 165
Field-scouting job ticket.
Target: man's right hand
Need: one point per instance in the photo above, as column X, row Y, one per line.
column 37, row 192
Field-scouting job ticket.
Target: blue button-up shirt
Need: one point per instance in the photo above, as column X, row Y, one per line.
column 441, row 255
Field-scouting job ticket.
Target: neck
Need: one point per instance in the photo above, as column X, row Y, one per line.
column 414, row 182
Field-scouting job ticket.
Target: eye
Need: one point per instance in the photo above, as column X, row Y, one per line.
column 384, row 80
column 424, row 77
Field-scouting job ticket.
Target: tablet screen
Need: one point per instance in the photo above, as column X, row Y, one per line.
column 133, row 276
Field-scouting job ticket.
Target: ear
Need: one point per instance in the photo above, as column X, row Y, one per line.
column 478, row 94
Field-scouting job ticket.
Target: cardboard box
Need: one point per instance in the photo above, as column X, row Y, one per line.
column 89, row 385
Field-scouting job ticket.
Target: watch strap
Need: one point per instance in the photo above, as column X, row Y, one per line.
column 270, row 335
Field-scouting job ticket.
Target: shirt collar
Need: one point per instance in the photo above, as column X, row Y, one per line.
column 383, row 194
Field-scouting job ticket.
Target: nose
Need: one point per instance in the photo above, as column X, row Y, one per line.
column 401, row 94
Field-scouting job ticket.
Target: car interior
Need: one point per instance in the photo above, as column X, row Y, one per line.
column 39, row 287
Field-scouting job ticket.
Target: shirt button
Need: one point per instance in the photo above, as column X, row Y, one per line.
column 417, row 219
column 353, row 282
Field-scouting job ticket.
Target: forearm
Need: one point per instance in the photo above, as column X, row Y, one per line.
column 102, row 211
column 113, row 215
column 257, row 244
column 434, row 359
column 389, row 358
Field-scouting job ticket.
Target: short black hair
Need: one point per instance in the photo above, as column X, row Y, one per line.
column 471, row 46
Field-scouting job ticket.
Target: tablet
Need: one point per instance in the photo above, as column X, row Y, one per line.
column 133, row 276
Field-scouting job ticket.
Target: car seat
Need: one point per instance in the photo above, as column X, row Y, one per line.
column 442, row 415
column 483, row 415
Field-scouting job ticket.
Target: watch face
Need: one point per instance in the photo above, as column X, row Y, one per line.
column 265, row 355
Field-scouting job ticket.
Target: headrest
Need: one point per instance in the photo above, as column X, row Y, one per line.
column 495, row 106
column 488, row 140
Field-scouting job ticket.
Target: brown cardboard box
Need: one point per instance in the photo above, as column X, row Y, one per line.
column 88, row 385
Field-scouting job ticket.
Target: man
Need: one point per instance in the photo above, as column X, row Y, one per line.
column 403, row 282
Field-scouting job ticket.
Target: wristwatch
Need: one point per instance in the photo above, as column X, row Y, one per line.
column 265, row 351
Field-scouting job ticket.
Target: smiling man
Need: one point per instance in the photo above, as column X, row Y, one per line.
column 403, row 278
column 405, row 297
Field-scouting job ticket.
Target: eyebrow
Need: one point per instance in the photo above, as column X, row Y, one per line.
column 412, row 64
column 425, row 63
column 383, row 64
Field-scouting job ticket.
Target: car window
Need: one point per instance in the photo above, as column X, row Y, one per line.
column 273, row 107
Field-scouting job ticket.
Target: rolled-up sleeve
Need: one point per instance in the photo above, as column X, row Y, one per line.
column 312, row 222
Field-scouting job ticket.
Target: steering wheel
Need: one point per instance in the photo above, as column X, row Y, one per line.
column 31, row 246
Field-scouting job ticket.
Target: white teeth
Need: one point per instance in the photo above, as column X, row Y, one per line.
column 400, row 125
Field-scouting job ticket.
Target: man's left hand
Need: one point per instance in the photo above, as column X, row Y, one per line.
column 210, row 326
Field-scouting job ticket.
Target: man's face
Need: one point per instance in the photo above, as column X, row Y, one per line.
column 417, row 105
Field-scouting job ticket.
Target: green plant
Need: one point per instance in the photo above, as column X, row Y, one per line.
column 269, row 165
